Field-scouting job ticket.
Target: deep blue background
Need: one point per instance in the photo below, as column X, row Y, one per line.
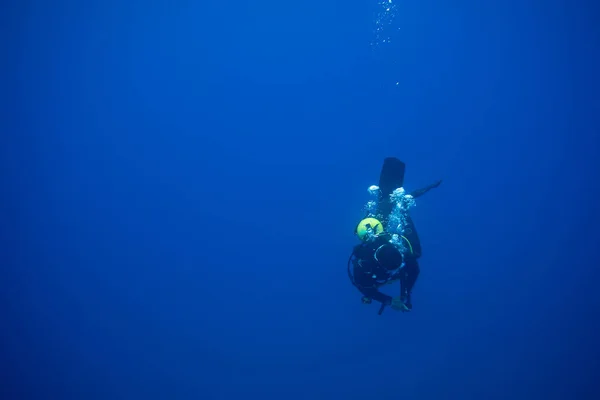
column 180, row 183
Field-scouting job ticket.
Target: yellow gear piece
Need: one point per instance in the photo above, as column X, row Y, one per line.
column 366, row 225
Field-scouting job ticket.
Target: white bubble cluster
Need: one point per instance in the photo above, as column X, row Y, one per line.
column 399, row 217
column 386, row 13
column 397, row 221
column 372, row 205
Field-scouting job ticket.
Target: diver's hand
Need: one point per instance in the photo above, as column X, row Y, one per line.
column 398, row 305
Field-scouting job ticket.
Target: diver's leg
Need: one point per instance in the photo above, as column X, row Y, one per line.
column 391, row 178
column 409, row 277
column 410, row 233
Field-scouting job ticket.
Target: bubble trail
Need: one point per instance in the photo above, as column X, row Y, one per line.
column 384, row 20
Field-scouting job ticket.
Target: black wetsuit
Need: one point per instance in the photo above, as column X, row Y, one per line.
column 368, row 276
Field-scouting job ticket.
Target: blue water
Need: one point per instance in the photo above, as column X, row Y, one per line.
column 181, row 181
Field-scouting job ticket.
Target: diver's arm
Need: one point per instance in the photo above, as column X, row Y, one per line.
column 421, row 192
column 376, row 295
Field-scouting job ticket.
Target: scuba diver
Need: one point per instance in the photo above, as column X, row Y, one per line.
column 390, row 245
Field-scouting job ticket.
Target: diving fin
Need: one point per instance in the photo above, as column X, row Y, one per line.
column 390, row 179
